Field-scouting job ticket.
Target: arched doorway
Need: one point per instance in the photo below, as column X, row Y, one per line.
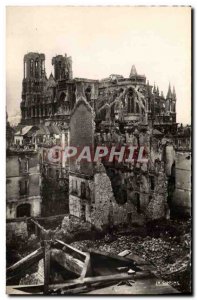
column 23, row 210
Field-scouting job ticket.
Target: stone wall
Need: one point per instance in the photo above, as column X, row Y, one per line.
column 81, row 134
column 106, row 212
column 13, row 187
column 182, row 196
column 12, row 166
column 75, row 206
column 16, row 229
column 101, row 208
column 16, row 174
column 34, row 202
column 22, row 185
column 81, row 195
column 157, row 206
column 170, row 158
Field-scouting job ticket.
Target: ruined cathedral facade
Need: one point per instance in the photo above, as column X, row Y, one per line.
column 113, row 111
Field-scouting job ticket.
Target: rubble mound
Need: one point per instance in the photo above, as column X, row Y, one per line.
column 168, row 249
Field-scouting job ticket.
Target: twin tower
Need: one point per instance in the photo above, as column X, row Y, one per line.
column 34, row 66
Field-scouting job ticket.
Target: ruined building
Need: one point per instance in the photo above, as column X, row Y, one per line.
column 22, row 190
column 111, row 193
column 115, row 111
column 53, row 98
column 54, row 187
column 45, row 98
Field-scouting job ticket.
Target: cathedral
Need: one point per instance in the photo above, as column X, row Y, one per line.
column 115, row 99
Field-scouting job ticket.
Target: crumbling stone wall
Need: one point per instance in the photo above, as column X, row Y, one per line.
column 181, row 203
column 34, row 202
column 75, row 206
column 106, row 212
column 82, row 134
column 81, row 195
column 16, row 229
column 169, row 158
column 157, row 206
column 101, row 209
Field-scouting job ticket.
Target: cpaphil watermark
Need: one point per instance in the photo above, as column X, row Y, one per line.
column 91, row 154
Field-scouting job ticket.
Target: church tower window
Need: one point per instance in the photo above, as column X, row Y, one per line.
column 130, row 99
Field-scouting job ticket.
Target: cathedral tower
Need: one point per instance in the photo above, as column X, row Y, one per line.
column 62, row 67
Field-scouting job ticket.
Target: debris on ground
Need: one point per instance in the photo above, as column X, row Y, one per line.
column 168, row 250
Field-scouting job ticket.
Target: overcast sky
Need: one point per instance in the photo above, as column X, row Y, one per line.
column 104, row 41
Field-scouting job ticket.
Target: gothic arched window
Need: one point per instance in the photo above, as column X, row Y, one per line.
column 149, row 104
column 130, row 99
column 173, row 107
column 31, row 67
column 137, row 108
column 83, row 190
column 36, row 68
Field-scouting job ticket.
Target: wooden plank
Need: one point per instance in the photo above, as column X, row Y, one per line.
column 116, row 277
column 47, row 257
column 111, row 257
column 39, row 226
column 104, row 271
column 24, row 289
column 67, row 261
column 70, row 250
column 100, row 279
column 78, row 290
column 87, row 269
column 24, row 263
column 12, row 291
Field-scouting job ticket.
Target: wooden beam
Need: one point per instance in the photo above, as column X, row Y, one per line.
column 111, row 257
column 47, row 256
column 70, row 250
column 100, row 279
column 87, row 269
column 38, row 225
column 24, row 263
column 67, row 261
column 24, row 289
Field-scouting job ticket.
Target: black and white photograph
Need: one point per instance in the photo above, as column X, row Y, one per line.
column 98, row 150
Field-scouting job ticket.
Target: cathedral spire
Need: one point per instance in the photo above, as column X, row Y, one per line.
column 169, row 94
column 154, row 89
column 174, row 93
column 133, row 71
column 157, row 90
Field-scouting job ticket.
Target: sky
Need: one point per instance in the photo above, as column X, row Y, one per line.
column 103, row 41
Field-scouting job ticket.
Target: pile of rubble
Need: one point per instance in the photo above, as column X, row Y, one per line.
column 169, row 254
column 166, row 245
